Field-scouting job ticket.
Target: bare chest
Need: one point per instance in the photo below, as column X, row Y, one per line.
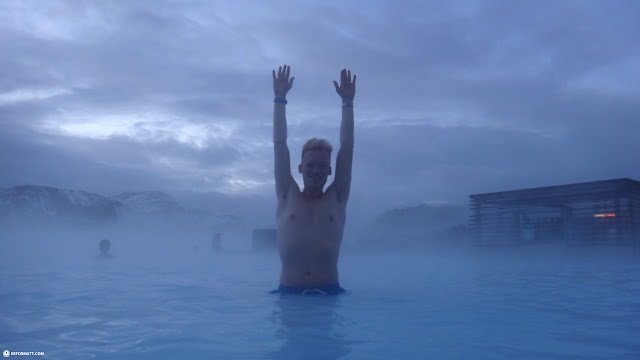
column 312, row 215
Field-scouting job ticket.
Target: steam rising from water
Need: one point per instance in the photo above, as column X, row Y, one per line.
column 157, row 295
column 174, row 244
column 152, row 242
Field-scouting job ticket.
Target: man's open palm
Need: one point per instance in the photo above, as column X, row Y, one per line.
column 347, row 88
column 282, row 84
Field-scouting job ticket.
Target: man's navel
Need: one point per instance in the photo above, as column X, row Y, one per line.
column 292, row 216
column 330, row 218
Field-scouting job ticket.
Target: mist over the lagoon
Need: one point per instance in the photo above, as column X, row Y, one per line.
column 421, row 229
column 170, row 243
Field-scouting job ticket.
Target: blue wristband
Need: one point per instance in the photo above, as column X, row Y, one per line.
column 280, row 100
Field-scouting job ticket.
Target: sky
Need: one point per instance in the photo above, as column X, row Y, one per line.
column 452, row 98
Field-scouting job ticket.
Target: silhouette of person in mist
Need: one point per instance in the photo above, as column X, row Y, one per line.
column 311, row 222
column 105, row 246
column 215, row 242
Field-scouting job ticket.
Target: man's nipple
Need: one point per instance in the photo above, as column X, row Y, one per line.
column 292, row 216
column 330, row 218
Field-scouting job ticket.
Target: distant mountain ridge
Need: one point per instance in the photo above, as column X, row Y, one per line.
column 34, row 201
column 416, row 225
column 149, row 202
column 426, row 215
column 29, row 201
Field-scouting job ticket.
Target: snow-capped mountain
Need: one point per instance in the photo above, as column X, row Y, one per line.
column 43, row 202
column 40, row 212
column 29, row 207
column 52, row 203
column 149, row 203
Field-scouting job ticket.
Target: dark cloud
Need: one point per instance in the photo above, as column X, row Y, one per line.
column 453, row 99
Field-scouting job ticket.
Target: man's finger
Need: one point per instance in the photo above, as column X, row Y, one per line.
column 291, row 82
column 336, row 85
column 274, row 74
column 354, row 80
column 288, row 71
column 279, row 71
column 349, row 75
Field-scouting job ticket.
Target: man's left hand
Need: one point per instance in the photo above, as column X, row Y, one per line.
column 347, row 88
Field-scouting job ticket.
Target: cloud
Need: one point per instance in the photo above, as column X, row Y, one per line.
column 20, row 95
column 452, row 99
column 143, row 127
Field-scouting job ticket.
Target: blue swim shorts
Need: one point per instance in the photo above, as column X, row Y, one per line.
column 332, row 289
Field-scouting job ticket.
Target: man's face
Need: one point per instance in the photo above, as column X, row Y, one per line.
column 315, row 168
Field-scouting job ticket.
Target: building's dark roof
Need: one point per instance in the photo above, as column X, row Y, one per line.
column 568, row 190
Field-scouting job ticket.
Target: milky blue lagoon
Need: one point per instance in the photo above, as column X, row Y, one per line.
column 457, row 304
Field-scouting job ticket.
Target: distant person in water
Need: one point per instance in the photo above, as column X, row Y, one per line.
column 216, row 241
column 105, row 246
column 311, row 222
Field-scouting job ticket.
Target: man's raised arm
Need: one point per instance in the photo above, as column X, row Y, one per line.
column 281, row 85
column 342, row 180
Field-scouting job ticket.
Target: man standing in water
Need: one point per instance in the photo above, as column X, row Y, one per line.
column 311, row 221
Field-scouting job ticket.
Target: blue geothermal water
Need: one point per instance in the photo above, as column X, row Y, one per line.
column 471, row 304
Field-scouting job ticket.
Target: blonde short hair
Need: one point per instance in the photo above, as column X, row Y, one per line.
column 317, row 144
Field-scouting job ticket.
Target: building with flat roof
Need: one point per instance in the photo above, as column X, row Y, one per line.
column 598, row 212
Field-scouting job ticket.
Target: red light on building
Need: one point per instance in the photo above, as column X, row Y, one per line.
column 604, row 215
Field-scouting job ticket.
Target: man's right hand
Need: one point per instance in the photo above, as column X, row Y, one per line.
column 282, row 84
